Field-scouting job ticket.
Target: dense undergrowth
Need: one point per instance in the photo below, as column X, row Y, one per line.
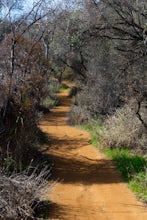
column 22, row 192
column 121, row 134
column 106, row 55
column 25, row 182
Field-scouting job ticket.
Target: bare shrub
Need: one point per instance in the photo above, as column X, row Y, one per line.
column 78, row 115
column 124, row 129
column 99, row 96
column 24, row 86
column 20, row 191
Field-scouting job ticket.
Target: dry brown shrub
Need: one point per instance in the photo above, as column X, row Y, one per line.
column 78, row 116
column 124, row 129
column 20, row 191
column 23, row 85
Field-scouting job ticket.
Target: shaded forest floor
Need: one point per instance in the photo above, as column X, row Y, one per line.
column 89, row 186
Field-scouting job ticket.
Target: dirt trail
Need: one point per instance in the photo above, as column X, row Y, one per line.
column 90, row 187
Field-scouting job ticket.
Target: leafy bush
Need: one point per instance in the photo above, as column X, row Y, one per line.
column 20, row 193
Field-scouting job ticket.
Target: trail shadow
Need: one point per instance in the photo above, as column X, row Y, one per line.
column 57, row 211
column 71, row 167
column 67, row 144
column 42, row 209
column 74, row 168
column 82, row 170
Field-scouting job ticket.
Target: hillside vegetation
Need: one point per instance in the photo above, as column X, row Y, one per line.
column 102, row 47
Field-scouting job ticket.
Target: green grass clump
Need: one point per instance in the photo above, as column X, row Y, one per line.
column 138, row 184
column 63, row 87
column 132, row 168
column 127, row 163
column 96, row 131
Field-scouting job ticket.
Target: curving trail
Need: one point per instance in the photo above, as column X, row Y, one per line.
column 90, row 188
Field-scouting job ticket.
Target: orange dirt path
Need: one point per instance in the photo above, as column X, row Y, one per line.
column 89, row 186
